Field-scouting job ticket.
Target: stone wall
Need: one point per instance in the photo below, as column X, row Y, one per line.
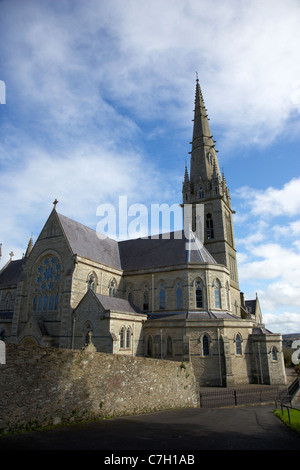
column 46, row 386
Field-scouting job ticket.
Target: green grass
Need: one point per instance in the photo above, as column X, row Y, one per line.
column 293, row 422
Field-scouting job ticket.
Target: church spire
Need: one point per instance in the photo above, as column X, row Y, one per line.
column 203, row 154
column 205, row 189
column 201, row 132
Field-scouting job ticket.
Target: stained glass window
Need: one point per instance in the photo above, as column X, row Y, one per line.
column 217, row 292
column 112, row 288
column 199, row 295
column 205, row 346
column 122, row 337
column 128, row 338
column 47, row 286
column 238, row 345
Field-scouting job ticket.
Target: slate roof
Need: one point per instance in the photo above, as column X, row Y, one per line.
column 261, row 330
column 88, row 243
column 133, row 254
column 152, row 253
column 251, row 306
column 140, row 253
column 192, row 315
column 117, row 305
column 11, row 274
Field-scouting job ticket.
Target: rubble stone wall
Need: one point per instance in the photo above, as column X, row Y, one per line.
column 47, row 386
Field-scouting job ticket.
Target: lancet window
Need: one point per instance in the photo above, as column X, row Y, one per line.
column 125, row 337
column 209, row 227
column 199, row 294
column 112, row 288
column 47, row 285
column 205, row 345
column 91, row 282
column 238, row 345
column 217, row 293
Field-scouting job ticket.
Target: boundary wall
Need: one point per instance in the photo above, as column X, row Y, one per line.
column 41, row 387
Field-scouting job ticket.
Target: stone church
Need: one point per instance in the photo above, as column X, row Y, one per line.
column 151, row 297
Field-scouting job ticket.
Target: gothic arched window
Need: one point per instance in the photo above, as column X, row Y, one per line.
column 238, row 345
column 201, row 193
column 47, row 285
column 122, row 337
column 91, row 282
column 128, row 337
column 217, row 293
column 199, row 294
column 112, row 288
column 209, row 227
column 205, row 345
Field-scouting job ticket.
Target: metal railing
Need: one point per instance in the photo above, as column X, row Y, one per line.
column 288, row 407
column 219, row 397
column 236, row 397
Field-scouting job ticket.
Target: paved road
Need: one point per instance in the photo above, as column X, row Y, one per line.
column 242, row 428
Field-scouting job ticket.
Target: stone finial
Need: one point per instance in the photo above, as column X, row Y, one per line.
column 29, row 248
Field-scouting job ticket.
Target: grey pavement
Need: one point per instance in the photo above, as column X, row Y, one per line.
column 235, row 428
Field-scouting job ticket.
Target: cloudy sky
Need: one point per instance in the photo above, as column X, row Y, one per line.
column 98, row 103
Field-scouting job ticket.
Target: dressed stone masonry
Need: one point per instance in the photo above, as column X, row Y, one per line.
column 148, row 297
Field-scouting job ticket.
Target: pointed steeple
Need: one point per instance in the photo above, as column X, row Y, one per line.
column 203, row 155
column 205, row 191
column 201, row 133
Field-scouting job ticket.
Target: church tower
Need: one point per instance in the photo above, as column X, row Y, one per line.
column 207, row 187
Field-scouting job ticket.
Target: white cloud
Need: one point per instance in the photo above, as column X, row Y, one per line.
column 281, row 294
column 90, row 83
column 272, row 202
column 271, row 261
column 81, row 180
column 290, row 230
column 284, row 323
column 143, row 56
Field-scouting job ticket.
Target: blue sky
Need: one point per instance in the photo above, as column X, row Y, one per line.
column 99, row 104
